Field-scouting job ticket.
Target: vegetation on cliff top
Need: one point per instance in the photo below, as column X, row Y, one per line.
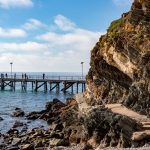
column 115, row 24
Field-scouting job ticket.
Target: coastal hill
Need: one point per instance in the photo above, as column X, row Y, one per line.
column 120, row 62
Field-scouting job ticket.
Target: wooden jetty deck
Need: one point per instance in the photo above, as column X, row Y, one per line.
column 49, row 83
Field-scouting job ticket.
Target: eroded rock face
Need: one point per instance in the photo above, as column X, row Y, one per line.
column 109, row 129
column 120, row 62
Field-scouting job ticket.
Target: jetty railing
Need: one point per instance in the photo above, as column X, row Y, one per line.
column 46, row 77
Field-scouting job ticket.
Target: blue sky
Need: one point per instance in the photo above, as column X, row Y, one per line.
column 53, row 35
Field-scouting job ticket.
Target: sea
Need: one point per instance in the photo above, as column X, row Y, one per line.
column 29, row 100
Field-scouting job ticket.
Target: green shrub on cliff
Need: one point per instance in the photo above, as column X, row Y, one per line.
column 115, row 24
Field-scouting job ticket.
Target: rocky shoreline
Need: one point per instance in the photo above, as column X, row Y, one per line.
column 71, row 125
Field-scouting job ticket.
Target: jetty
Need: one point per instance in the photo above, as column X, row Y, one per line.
column 47, row 83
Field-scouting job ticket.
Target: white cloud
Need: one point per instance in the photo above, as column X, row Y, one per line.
column 28, row 47
column 64, row 23
column 73, row 37
column 123, row 2
column 34, row 24
column 78, row 39
column 60, row 50
column 12, row 33
column 15, row 3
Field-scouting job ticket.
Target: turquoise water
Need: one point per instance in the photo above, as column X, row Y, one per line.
column 28, row 101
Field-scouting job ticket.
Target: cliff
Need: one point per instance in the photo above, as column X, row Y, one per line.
column 120, row 62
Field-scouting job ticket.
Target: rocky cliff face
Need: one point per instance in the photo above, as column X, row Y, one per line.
column 120, row 62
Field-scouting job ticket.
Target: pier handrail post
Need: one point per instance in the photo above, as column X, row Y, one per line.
column 2, row 75
column 82, row 68
column 11, row 63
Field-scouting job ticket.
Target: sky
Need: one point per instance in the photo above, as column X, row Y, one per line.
column 53, row 35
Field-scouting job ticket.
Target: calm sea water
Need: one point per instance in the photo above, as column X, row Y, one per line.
column 28, row 101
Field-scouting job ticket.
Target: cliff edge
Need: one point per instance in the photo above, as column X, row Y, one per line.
column 120, row 62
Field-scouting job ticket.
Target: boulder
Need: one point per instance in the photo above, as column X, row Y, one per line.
column 18, row 113
column 56, row 134
column 27, row 147
column 33, row 115
column 2, row 146
column 54, row 105
column 12, row 131
column 16, row 141
column 57, row 127
column 38, row 144
column 1, row 119
column 58, row 142
column 12, row 147
column 140, row 135
column 18, row 124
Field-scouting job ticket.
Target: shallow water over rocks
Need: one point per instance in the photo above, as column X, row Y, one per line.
column 28, row 101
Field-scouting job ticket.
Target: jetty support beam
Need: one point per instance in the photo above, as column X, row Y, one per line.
column 67, row 85
column 56, row 85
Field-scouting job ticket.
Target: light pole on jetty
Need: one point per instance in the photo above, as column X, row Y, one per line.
column 82, row 68
column 11, row 63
